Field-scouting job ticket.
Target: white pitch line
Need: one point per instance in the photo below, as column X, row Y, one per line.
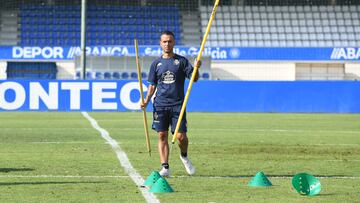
column 269, row 176
column 59, row 176
column 203, row 177
column 264, row 130
column 279, row 130
column 66, row 143
column 124, row 160
column 220, row 129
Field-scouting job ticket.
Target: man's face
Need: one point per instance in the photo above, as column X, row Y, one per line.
column 167, row 43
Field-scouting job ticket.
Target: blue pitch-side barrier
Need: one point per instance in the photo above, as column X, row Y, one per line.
column 216, row 53
column 206, row 96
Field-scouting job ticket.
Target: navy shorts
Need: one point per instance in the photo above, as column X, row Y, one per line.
column 163, row 117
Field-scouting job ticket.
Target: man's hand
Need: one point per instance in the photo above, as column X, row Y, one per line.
column 143, row 105
column 197, row 63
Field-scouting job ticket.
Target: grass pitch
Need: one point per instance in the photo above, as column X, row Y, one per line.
column 59, row 157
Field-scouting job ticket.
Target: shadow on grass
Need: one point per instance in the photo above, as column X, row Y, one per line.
column 49, row 183
column 7, row 170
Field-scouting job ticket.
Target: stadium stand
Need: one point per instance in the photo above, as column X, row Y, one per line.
column 106, row 25
column 30, row 70
column 284, row 26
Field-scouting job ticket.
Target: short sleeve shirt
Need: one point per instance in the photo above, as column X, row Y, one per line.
column 168, row 75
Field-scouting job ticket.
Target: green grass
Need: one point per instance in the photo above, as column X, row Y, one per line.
column 59, row 157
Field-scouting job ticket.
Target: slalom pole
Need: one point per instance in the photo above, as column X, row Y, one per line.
column 194, row 72
column 142, row 96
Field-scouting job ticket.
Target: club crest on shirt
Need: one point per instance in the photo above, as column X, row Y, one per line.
column 155, row 116
column 176, row 62
column 168, row 77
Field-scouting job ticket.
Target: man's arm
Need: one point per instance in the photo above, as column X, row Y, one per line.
column 151, row 90
column 197, row 64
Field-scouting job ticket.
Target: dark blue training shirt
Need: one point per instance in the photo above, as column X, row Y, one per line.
column 168, row 75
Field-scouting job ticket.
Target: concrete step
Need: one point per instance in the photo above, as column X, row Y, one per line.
column 8, row 35
column 191, row 37
column 8, row 28
column 9, row 21
column 192, row 42
column 191, row 23
column 9, row 14
column 8, row 42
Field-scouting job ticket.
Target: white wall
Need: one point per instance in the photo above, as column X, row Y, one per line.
column 352, row 71
column 3, row 70
column 253, row 71
column 66, row 70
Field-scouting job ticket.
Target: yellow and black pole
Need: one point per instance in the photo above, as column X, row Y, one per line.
column 142, row 96
column 194, row 71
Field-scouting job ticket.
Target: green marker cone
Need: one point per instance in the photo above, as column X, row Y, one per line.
column 306, row 184
column 161, row 186
column 259, row 180
column 152, row 178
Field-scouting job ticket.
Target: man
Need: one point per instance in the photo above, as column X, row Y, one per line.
column 167, row 75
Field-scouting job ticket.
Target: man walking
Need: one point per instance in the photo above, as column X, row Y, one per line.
column 167, row 76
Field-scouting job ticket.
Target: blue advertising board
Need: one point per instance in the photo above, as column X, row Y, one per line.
column 216, row 53
column 206, row 96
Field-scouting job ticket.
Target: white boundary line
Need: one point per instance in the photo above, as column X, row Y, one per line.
column 59, row 176
column 204, row 177
column 265, row 130
column 223, row 129
column 124, row 160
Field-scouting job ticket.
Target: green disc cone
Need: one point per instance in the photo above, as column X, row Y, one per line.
column 259, row 180
column 152, row 178
column 161, row 186
column 306, row 184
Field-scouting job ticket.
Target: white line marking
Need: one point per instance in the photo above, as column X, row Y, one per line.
column 218, row 129
column 204, row 177
column 278, row 130
column 59, row 176
column 124, row 160
column 269, row 176
column 288, row 146
column 66, row 143
column 265, row 130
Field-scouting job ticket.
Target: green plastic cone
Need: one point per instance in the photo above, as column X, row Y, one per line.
column 161, row 186
column 259, row 180
column 306, row 184
column 152, row 178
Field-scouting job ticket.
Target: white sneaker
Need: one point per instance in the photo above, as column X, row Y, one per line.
column 190, row 169
column 164, row 172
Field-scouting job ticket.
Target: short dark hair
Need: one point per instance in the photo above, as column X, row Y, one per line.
column 167, row 32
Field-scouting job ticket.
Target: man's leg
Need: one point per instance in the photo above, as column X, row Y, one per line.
column 183, row 143
column 163, row 146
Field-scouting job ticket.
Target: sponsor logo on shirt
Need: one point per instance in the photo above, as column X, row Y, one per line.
column 168, row 77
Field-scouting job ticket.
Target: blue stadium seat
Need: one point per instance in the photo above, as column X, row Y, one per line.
column 107, row 75
column 205, row 76
column 116, row 75
column 133, row 75
column 98, row 75
column 89, row 75
column 125, row 75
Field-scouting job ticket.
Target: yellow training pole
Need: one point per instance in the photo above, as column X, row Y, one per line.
column 194, row 71
column 142, row 96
